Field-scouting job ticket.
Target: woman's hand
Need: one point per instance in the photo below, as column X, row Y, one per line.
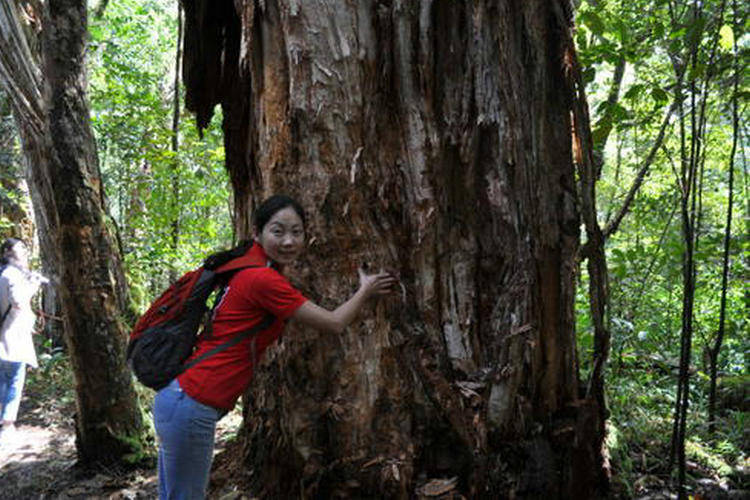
column 370, row 285
column 376, row 285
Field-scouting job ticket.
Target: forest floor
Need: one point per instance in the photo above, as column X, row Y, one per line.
column 40, row 463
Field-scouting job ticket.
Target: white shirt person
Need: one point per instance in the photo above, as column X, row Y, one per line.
column 17, row 287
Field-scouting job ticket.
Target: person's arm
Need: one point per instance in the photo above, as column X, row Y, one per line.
column 336, row 321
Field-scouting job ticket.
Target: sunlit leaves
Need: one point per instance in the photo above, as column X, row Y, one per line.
column 593, row 22
column 664, row 45
column 154, row 192
column 726, row 37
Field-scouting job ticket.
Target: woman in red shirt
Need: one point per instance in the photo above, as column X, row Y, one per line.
column 186, row 411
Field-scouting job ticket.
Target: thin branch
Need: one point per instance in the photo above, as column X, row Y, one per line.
column 603, row 127
column 612, row 225
column 649, row 269
column 716, row 349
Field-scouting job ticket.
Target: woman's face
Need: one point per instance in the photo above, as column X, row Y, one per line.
column 283, row 236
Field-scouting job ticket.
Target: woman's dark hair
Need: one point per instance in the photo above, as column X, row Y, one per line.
column 263, row 214
column 7, row 245
column 220, row 258
column 268, row 208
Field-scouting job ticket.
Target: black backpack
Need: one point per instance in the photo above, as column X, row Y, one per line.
column 165, row 335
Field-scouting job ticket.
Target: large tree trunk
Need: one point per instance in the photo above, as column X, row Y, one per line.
column 431, row 138
column 59, row 146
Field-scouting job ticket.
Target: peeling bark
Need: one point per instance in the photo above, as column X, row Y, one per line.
column 434, row 139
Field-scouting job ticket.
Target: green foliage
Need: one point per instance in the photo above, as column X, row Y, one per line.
column 53, row 379
column 657, row 40
column 641, row 399
column 12, row 198
column 171, row 207
column 142, row 450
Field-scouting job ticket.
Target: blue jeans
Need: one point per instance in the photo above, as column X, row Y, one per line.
column 12, row 378
column 185, row 429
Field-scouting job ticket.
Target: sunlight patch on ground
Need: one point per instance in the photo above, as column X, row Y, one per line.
column 30, row 444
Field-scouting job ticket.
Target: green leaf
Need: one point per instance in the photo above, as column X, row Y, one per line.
column 677, row 34
column 603, row 126
column 696, row 72
column 658, row 31
column 634, row 91
column 593, row 22
column 589, row 74
column 695, row 31
column 619, row 111
column 623, row 31
column 95, row 31
column 658, row 95
column 726, row 37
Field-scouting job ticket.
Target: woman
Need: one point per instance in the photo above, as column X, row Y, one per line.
column 17, row 286
column 186, row 411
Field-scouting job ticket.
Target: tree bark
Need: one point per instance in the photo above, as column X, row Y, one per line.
column 108, row 421
column 585, row 157
column 433, row 139
column 63, row 175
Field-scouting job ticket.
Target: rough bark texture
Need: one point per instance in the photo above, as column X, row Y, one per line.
column 109, row 423
column 584, row 154
column 58, row 144
column 431, row 138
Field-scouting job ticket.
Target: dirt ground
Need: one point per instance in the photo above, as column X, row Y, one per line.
column 40, row 461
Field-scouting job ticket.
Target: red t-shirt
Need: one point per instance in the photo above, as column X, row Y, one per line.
column 252, row 294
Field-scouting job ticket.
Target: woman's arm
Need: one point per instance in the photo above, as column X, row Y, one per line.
column 336, row 321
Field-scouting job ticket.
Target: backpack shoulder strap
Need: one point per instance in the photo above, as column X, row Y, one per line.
column 266, row 322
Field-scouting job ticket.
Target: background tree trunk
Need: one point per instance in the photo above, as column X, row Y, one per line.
column 109, row 424
column 433, row 139
column 61, row 154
